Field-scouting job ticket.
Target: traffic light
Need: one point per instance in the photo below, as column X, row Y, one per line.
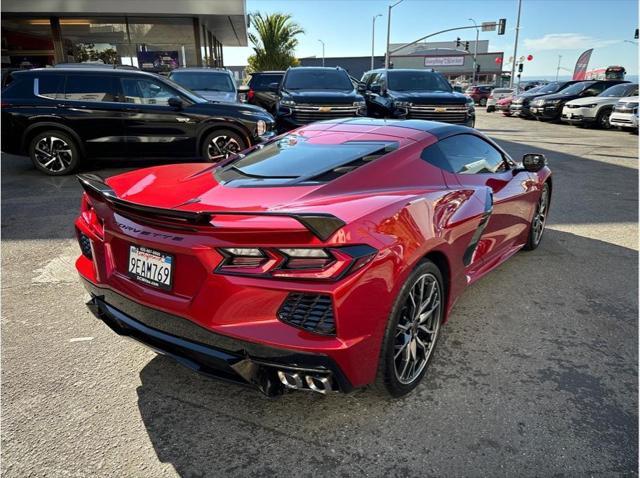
column 458, row 42
column 520, row 67
column 636, row 34
column 478, row 68
column 502, row 25
column 466, row 46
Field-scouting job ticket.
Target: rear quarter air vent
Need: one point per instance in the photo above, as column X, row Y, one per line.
column 311, row 312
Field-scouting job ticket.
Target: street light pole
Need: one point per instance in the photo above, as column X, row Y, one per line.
column 475, row 52
column 558, row 69
column 373, row 36
column 322, row 51
column 515, row 46
column 386, row 56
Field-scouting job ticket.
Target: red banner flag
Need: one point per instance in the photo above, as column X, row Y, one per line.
column 581, row 65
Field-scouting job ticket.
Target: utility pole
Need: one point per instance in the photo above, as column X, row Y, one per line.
column 386, row 57
column 322, row 51
column 515, row 45
column 558, row 69
column 373, row 36
column 475, row 52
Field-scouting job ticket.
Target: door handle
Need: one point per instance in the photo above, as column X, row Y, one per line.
column 135, row 110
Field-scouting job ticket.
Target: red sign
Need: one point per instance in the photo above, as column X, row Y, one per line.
column 498, row 60
column 530, row 57
column 580, row 70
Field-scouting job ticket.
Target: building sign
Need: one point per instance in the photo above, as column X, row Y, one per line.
column 158, row 60
column 443, row 60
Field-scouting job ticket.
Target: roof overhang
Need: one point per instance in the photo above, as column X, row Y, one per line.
column 227, row 19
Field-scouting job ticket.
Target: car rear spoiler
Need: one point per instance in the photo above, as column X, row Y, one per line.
column 321, row 225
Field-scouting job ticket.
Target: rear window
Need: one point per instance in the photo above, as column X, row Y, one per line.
column 262, row 82
column 294, row 157
column 503, row 90
column 204, row 81
column 90, row 88
column 329, row 79
column 50, row 86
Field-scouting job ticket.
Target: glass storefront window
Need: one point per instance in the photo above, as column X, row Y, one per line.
column 26, row 43
column 95, row 40
column 161, row 44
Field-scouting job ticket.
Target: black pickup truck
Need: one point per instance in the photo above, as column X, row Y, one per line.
column 308, row 94
column 416, row 94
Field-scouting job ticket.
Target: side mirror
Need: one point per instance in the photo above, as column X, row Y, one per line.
column 175, row 102
column 533, row 162
column 376, row 89
column 274, row 87
column 361, row 88
column 457, row 89
column 243, row 89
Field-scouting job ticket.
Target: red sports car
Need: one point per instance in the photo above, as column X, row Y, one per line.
column 325, row 259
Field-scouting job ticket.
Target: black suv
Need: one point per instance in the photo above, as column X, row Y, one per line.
column 416, row 94
column 59, row 116
column 260, row 92
column 549, row 107
column 308, row 94
column 521, row 104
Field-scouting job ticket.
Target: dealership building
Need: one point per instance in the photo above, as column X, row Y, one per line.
column 451, row 60
column 151, row 34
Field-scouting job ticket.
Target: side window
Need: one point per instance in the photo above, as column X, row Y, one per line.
column 468, row 154
column 50, row 86
column 365, row 78
column 144, row 91
column 379, row 79
column 90, row 88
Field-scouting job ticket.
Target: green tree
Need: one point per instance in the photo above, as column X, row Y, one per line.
column 274, row 42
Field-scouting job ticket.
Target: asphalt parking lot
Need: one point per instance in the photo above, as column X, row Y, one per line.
column 535, row 375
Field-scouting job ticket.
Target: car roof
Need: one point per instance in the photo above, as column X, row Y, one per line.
column 268, row 73
column 83, row 71
column 431, row 70
column 435, row 128
column 205, row 69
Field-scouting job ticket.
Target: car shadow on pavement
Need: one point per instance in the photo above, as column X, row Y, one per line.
column 516, row 375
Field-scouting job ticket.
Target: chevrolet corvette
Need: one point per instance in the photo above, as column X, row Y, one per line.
column 325, row 259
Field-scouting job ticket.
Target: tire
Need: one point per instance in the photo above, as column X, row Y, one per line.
column 602, row 119
column 395, row 376
column 54, row 153
column 221, row 144
column 536, row 229
column 491, row 109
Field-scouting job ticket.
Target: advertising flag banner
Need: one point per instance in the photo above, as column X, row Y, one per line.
column 581, row 65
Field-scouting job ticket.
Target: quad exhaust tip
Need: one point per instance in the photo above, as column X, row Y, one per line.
column 316, row 383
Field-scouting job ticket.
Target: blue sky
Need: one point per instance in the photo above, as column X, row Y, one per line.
column 548, row 28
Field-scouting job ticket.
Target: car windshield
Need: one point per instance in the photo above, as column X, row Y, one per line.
column 316, row 79
column 417, row 81
column 618, row 91
column 204, row 81
column 293, row 156
column 576, row 88
column 183, row 91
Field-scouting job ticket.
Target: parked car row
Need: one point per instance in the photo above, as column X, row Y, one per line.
column 597, row 103
column 60, row 115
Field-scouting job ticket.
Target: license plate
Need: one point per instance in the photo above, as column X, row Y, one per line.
column 569, row 115
column 150, row 267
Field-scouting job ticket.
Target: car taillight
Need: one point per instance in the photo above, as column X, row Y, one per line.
column 304, row 263
column 4, row 104
column 88, row 213
column 250, row 94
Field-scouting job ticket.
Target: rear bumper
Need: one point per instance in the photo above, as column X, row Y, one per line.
column 214, row 355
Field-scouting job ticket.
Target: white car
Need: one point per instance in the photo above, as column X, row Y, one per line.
column 496, row 95
column 597, row 110
column 625, row 114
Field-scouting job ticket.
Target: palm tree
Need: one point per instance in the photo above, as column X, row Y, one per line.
column 273, row 42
